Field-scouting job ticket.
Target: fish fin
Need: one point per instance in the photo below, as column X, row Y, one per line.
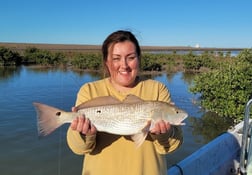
column 152, row 125
column 48, row 118
column 130, row 99
column 141, row 136
column 99, row 101
column 108, row 100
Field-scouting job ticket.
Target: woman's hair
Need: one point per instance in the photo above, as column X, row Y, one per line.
column 116, row 37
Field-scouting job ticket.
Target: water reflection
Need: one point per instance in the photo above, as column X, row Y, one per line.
column 209, row 126
column 7, row 73
column 188, row 78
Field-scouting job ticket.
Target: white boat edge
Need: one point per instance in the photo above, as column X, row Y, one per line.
column 220, row 156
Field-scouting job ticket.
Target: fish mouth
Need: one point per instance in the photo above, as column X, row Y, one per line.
column 180, row 119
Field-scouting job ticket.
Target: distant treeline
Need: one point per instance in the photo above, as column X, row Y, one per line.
column 93, row 60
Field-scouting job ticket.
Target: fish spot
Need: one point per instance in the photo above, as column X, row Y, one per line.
column 98, row 111
column 58, row 113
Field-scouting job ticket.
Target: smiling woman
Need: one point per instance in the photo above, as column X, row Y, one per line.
column 123, row 65
column 121, row 55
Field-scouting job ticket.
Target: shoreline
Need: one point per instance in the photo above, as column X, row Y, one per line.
column 95, row 48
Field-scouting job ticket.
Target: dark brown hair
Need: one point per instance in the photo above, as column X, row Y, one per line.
column 119, row 36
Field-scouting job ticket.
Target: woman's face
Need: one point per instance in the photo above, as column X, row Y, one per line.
column 123, row 64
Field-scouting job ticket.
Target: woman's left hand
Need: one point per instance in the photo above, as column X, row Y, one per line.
column 161, row 127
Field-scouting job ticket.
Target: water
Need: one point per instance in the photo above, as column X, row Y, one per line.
column 23, row 152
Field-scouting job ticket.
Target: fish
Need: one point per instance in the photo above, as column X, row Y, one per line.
column 132, row 116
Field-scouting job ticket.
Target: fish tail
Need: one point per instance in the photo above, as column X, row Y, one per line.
column 48, row 118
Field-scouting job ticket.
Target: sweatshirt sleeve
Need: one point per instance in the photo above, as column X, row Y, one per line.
column 168, row 142
column 77, row 142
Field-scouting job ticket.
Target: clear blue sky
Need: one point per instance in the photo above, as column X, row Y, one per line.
column 209, row 23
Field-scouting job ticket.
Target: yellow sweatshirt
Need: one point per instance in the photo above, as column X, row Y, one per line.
column 107, row 154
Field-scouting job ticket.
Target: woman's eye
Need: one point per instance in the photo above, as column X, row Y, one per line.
column 131, row 58
column 115, row 58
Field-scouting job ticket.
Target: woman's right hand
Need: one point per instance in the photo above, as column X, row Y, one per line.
column 83, row 125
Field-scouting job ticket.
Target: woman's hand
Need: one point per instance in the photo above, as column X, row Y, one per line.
column 83, row 125
column 161, row 127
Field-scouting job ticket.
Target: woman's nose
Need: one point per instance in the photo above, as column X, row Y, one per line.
column 124, row 62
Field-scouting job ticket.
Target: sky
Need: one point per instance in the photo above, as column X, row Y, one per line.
column 207, row 23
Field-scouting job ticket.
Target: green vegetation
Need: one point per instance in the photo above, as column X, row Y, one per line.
column 196, row 62
column 9, row 57
column 93, row 60
column 158, row 62
column 90, row 61
column 227, row 89
column 43, row 57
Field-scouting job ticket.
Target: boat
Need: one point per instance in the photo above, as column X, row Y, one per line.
column 228, row 154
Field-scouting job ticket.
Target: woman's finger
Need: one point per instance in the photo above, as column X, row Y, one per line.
column 162, row 127
column 86, row 127
column 80, row 123
column 93, row 129
column 74, row 109
column 74, row 124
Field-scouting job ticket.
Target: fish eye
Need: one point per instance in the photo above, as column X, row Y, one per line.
column 176, row 111
column 98, row 111
column 58, row 113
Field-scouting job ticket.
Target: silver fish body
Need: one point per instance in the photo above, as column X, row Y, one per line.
column 110, row 115
column 129, row 119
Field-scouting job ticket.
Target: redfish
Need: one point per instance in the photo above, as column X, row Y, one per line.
column 132, row 116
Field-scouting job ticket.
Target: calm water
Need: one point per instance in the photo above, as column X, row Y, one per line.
column 23, row 152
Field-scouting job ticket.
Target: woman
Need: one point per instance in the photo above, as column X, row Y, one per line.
column 107, row 154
